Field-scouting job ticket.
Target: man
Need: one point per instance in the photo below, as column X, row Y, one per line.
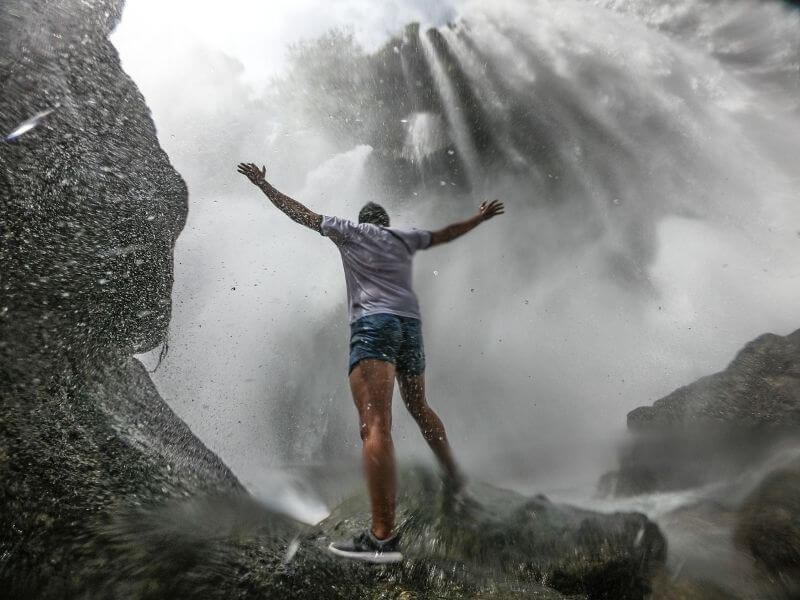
column 385, row 343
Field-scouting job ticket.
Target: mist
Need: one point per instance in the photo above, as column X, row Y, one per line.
column 647, row 158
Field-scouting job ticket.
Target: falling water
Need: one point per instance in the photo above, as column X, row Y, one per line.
column 461, row 133
column 426, row 136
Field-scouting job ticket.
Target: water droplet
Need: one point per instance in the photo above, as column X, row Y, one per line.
column 639, row 537
column 436, row 273
column 26, row 126
column 291, row 550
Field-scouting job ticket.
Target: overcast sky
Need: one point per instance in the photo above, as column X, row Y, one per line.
column 257, row 33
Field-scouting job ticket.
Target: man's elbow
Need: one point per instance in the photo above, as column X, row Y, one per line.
column 438, row 237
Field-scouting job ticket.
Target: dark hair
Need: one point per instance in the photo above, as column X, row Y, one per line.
column 373, row 213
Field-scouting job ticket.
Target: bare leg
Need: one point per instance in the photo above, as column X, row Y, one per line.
column 412, row 388
column 372, row 384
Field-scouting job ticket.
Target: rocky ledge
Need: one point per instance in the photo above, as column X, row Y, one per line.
column 491, row 543
column 715, row 427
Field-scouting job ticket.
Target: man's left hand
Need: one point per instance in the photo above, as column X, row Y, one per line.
column 491, row 209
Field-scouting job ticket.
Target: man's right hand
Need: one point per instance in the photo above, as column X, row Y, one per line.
column 491, row 209
column 252, row 172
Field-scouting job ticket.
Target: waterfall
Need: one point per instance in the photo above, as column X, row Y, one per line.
column 459, row 125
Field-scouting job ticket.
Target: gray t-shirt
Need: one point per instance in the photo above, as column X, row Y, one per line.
column 377, row 266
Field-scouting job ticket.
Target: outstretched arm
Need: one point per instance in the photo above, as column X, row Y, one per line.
column 292, row 208
column 451, row 232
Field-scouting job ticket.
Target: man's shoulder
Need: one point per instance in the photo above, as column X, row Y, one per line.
column 417, row 239
column 334, row 220
column 332, row 224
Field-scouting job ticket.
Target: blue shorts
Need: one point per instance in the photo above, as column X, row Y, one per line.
column 388, row 337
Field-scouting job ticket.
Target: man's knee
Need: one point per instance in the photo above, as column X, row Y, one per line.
column 418, row 408
column 376, row 429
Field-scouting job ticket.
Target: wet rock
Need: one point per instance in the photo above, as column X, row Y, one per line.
column 91, row 210
column 669, row 587
column 769, row 527
column 496, row 536
column 77, row 452
column 718, row 425
column 496, row 544
column 760, row 388
column 91, row 204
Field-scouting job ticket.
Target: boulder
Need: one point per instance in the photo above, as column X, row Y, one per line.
column 492, row 544
column 768, row 527
column 81, row 451
column 494, row 541
column 715, row 427
column 759, row 389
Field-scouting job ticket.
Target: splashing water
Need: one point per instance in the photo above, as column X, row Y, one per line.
column 29, row 124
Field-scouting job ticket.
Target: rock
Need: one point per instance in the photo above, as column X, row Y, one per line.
column 91, row 211
column 76, row 454
column 760, row 389
column 668, row 587
column 499, row 536
column 717, row 426
column 769, row 527
column 496, row 544
column 91, row 205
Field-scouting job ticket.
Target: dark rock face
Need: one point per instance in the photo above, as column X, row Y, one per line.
column 769, row 527
column 78, row 451
column 91, row 206
column 91, row 209
column 760, row 388
column 717, row 425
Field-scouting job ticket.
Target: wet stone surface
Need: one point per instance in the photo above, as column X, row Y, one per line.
column 716, row 426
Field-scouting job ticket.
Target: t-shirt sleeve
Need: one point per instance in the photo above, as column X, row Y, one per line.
column 339, row 230
column 416, row 239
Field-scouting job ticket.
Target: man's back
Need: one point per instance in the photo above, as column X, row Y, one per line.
column 377, row 264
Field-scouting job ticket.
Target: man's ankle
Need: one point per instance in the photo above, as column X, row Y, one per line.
column 454, row 480
column 381, row 538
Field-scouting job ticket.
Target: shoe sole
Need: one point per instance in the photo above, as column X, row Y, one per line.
column 378, row 558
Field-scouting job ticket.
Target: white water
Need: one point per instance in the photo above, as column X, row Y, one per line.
column 459, row 124
column 673, row 242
